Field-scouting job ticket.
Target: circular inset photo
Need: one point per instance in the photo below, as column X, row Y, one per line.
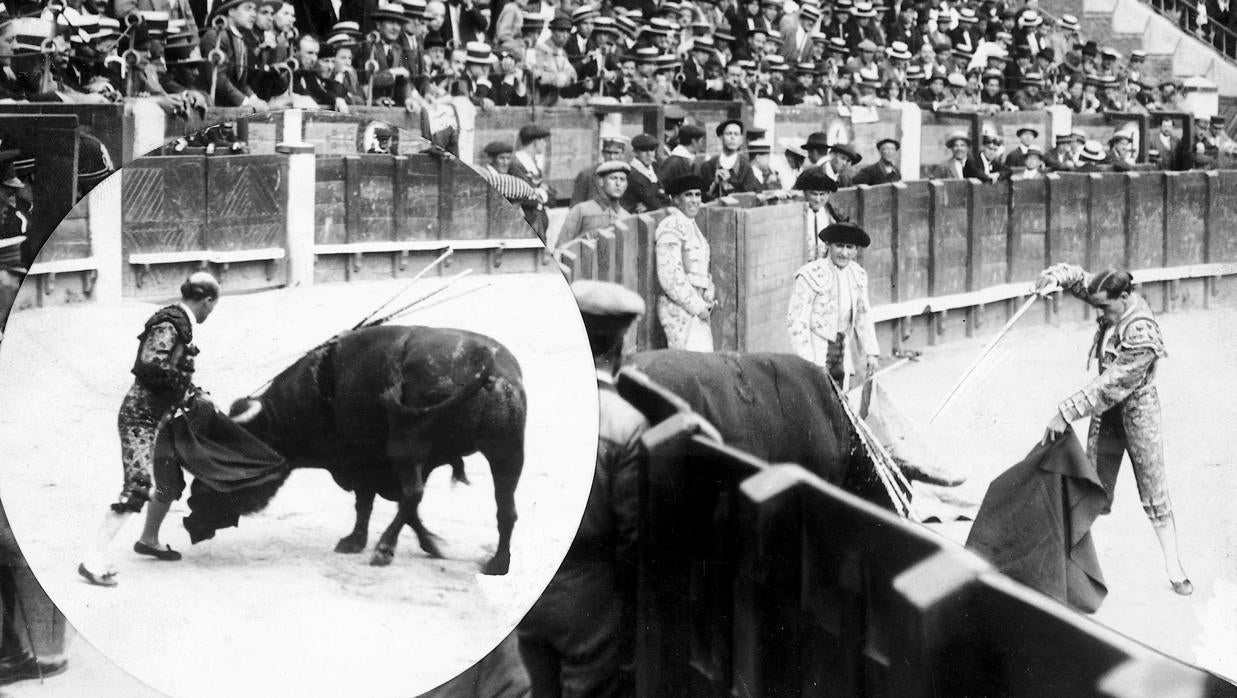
column 295, row 422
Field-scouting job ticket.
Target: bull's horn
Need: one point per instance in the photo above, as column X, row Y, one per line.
column 255, row 406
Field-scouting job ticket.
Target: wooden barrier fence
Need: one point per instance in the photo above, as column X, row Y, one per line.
column 763, row 580
column 949, row 257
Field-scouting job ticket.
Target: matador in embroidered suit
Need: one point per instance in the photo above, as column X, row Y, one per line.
column 1122, row 400
column 687, row 290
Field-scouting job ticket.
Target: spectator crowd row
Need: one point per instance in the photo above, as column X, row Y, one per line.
column 944, row 55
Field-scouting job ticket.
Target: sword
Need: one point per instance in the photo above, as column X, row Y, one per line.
column 987, row 350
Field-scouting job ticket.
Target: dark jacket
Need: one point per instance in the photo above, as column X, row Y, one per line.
column 875, row 174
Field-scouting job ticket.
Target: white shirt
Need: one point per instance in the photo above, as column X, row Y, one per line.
column 644, row 170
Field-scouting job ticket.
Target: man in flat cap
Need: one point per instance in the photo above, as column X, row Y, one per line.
column 496, row 172
column 585, row 187
column 163, row 372
column 829, row 305
column 884, row 170
column 533, row 141
column 644, row 188
column 601, row 211
column 579, row 637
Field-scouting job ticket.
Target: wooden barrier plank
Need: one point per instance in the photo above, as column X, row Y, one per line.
column 721, row 228
column 1108, row 222
column 1187, row 191
column 989, row 229
column 876, row 206
column 71, row 238
column 418, row 216
column 1145, row 219
column 464, row 201
column 1028, row 228
column 370, row 190
column 330, row 201
column 1069, row 201
column 951, row 201
column 651, row 335
column 911, row 255
column 1223, row 198
column 246, row 202
column 772, row 254
column 163, row 202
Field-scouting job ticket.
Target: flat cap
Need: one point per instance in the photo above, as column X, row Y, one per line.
column 609, row 167
column 690, row 132
column 1024, row 129
column 643, row 143
column 896, row 143
column 560, row 24
column 728, row 122
column 606, row 307
column 955, row 137
column 845, row 234
column 494, row 148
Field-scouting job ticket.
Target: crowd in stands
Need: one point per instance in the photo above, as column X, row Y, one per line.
column 944, row 55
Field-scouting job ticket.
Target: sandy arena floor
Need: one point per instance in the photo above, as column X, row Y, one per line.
column 269, row 608
column 1002, row 412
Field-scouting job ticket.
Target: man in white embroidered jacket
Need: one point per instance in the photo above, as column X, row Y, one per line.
column 829, row 304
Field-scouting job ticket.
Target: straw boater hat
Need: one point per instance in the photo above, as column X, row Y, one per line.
column 479, row 53
column 336, row 42
column 898, row 50
column 957, row 136
column 1030, row 19
column 1093, row 152
column 583, row 13
column 1068, row 23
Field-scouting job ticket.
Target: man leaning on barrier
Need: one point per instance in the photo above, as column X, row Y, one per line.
column 1122, row 401
column 579, row 637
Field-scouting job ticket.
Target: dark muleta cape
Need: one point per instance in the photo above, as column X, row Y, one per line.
column 1035, row 524
column 234, row 473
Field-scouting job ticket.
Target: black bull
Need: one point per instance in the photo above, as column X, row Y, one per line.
column 381, row 407
column 777, row 407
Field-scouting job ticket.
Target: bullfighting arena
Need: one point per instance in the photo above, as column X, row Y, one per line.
column 268, row 608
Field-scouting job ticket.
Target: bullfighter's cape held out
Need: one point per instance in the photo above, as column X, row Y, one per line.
column 1035, row 523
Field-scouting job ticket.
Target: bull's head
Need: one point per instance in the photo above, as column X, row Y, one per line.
column 244, row 410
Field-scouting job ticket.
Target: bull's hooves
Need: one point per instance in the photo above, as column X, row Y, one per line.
column 496, row 567
column 381, row 558
column 349, row 545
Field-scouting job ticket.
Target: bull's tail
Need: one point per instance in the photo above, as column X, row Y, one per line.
column 396, row 397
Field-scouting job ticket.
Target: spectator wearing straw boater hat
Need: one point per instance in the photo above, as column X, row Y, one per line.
column 476, row 85
column 688, row 294
column 884, row 170
column 829, row 306
column 1121, row 156
column 1092, row 158
column 233, row 74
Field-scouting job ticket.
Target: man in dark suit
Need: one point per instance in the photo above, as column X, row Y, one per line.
column 644, row 189
column 533, row 141
column 464, row 22
column 393, row 79
column 729, row 172
column 682, row 159
column 1167, row 146
column 960, row 164
column 1119, row 156
column 1018, row 156
column 232, row 82
column 885, row 170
